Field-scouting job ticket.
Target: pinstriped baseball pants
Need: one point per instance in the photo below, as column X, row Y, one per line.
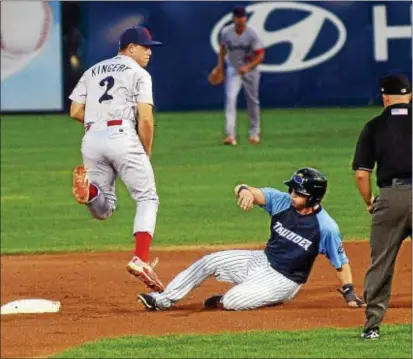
column 257, row 284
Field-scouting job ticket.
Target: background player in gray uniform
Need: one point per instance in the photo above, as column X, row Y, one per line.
column 113, row 99
column 300, row 230
column 243, row 50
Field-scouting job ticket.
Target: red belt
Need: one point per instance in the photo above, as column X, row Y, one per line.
column 108, row 123
column 114, row 123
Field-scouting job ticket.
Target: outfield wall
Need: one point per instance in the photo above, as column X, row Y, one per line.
column 317, row 53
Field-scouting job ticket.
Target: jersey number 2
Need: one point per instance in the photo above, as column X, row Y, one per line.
column 108, row 82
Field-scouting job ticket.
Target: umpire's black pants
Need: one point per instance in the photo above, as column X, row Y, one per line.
column 391, row 224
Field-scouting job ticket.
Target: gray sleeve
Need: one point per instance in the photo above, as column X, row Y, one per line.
column 222, row 37
column 144, row 89
column 79, row 92
column 255, row 41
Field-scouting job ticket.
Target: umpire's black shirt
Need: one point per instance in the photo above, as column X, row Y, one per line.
column 387, row 140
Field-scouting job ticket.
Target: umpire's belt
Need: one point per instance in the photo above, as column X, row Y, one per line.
column 101, row 125
column 395, row 182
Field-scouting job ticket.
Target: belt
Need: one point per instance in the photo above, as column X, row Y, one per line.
column 114, row 123
column 96, row 126
column 395, row 182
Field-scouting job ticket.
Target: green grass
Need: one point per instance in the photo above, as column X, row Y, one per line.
column 324, row 343
column 194, row 173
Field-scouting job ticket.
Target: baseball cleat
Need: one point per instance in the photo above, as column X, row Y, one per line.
column 229, row 140
column 148, row 301
column 80, row 188
column 145, row 273
column 371, row 334
column 213, row 302
column 255, row 140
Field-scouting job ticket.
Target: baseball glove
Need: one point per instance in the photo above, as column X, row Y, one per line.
column 351, row 297
column 216, row 77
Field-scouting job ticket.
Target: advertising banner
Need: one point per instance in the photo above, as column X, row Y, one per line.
column 31, row 63
column 317, row 53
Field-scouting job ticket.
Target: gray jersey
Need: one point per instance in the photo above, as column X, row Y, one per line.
column 111, row 90
column 240, row 48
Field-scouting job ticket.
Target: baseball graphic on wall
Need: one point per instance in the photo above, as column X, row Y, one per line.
column 25, row 28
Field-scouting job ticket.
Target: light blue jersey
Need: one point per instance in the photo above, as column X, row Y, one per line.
column 297, row 239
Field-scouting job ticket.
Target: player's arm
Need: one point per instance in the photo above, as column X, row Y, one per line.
column 248, row 196
column 221, row 57
column 331, row 246
column 78, row 97
column 344, row 274
column 145, row 111
column 363, row 183
column 145, row 126
column 346, row 280
column 363, row 165
column 216, row 76
column 270, row 199
column 77, row 111
column 256, row 60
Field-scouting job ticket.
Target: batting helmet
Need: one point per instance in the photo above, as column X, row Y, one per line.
column 308, row 182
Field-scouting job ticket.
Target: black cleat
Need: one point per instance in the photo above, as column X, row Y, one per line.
column 148, row 301
column 213, row 302
column 371, row 334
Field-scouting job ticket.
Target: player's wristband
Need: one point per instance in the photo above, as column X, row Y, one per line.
column 348, row 288
column 240, row 189
column 348, row 292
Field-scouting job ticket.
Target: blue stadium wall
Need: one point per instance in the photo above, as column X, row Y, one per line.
column 317, row 53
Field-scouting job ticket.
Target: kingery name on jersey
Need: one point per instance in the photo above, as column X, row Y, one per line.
column 291, row 236
column 102, row 69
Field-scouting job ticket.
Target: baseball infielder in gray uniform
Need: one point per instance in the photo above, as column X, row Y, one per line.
column 114, row 99
column 243, row 51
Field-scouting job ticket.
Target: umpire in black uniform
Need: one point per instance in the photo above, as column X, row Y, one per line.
column 386, row 141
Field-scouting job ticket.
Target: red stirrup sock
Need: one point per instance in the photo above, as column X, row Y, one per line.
column 93, row 191
column 142, row 244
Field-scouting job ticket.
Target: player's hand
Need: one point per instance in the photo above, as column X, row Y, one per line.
column 245, row 200
column 242, row 70
column 353, row 301
column 358, row 303
column 370, row 205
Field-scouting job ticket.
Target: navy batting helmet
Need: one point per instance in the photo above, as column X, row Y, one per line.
column 308, row 182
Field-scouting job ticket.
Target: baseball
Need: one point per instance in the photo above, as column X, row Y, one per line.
column 25, row 26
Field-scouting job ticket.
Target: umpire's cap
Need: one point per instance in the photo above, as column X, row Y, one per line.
column 308, row 182
column 397, row 84
column 137, row 35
